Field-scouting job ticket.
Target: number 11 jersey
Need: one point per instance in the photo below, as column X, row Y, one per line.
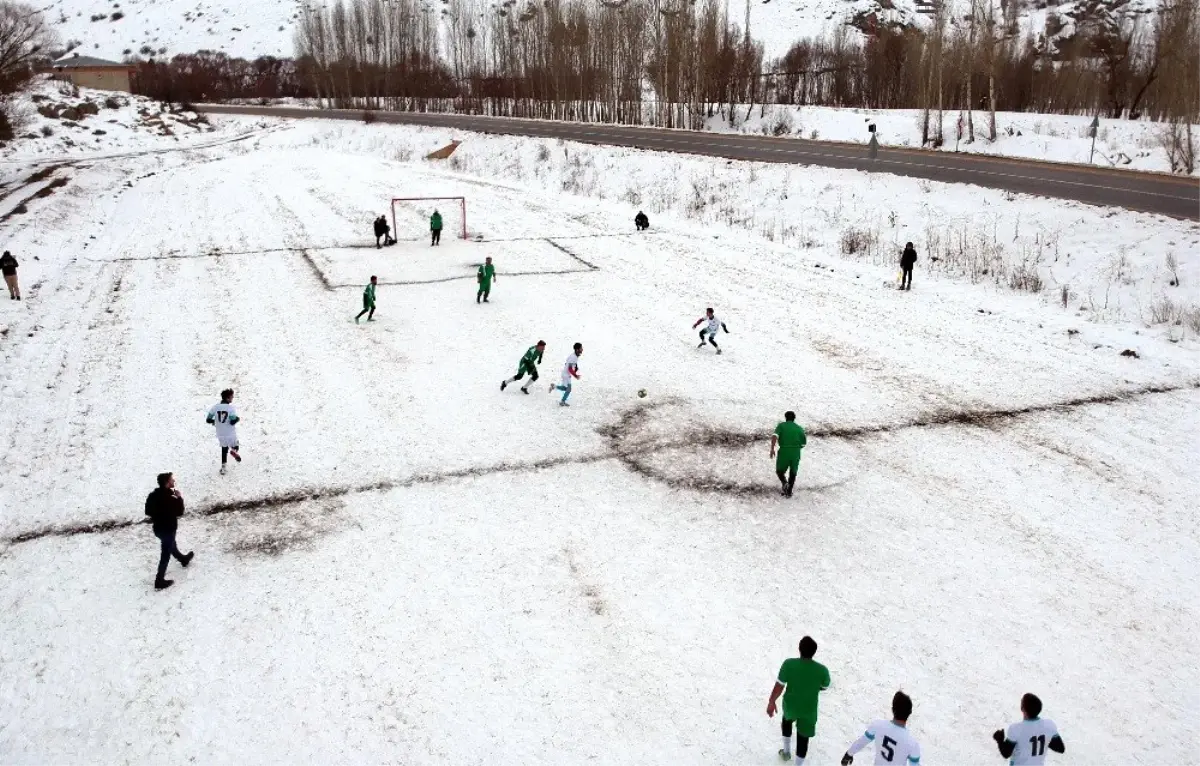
column 1031, row 737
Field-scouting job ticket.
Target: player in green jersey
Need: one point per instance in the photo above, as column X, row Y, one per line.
column 528, row 364
column 800, row 680
column 485, row 277
column 790, row 438
column 368, row 302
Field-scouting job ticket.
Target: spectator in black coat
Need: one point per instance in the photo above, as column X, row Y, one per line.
column 907, row 259
column 381, row 228
column 164, row 506
column 8, row 267
column 641, row 221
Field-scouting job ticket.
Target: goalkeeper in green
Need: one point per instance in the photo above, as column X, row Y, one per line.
column 528, row 364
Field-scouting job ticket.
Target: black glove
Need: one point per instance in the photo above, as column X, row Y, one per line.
column 847, row 759
column 998, row 735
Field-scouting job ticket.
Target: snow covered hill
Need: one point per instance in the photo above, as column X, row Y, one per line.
column 251, row 28
column 411, row 566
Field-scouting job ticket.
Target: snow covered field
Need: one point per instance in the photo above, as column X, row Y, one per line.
column 412, row 566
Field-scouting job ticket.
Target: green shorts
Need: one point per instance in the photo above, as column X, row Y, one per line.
column 787, row 458
column 522, row 369
column 804, row 727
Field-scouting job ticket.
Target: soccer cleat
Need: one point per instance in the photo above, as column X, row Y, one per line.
column 163, row 584
column 503, row 384
column 370, row 319
column 222, row 470
column 718, row 351
column 524, row 390
column 785, row 755
column 551, row 388
column 563, row 404
column 701, row 345
column 187, row 559
column 355, row 320
column 235, row 454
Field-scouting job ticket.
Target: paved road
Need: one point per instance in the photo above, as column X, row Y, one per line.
column 1147, row 192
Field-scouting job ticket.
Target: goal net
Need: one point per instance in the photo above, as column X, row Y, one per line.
column 411, row 214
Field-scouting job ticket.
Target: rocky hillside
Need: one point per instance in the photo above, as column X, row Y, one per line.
column 56, row 119
column 250, row 28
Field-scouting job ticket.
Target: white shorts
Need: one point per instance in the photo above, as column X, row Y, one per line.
column 228, row 439
column 566, row 381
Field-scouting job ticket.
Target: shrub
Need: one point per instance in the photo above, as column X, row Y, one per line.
column 543, row 153
column 855, row 241
column 1173, row 267
column 99, row 17
column 47, row 131
column 1177, row 142
column 1165, row 311
column 782, row 125
column 1191, row 318
column 117, row 16
column 1025, row 277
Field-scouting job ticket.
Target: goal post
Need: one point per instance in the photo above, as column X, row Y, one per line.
column 456, row 204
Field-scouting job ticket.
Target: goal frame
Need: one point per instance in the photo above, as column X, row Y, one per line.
column 460, row 201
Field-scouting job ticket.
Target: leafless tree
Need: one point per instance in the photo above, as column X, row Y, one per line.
column 25, row 39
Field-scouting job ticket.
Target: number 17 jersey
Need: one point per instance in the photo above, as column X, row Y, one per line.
column 1032, row 738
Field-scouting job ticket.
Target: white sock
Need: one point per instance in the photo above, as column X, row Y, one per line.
column 787, row 745
column 799, row 761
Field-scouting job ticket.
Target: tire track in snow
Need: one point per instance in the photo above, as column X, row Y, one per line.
column 633, row 457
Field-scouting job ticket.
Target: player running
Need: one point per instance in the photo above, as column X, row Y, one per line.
column 894, row 746
column 1026, row 741
column 485, row 277
column 368, row 301
column 790, row 437
column 570, row 372
column 800, row 680
column 528, row 364
column 709, row 333
column 224, row 416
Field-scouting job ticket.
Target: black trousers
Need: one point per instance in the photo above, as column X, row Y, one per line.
column 370, row 312
column 906, row 279
column 168, row 550
column 533, row 374
column 788, row 480
column 801, row 740
column 437, row 237
column 710, row 337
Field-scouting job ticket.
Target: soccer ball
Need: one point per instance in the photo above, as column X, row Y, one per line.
column 641, row 393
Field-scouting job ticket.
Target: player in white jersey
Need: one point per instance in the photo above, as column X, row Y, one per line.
column 225, row 418
column 709, row 332
column 894, row 746
column 1026, row 741
column 570, row 373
